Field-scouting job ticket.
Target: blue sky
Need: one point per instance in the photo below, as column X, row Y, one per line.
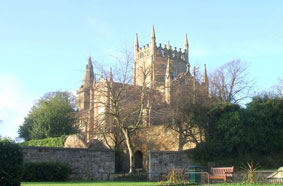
column 44, row 45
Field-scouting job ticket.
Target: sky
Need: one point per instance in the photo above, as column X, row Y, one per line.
column 45, row 45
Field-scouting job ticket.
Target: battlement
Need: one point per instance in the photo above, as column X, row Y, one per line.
column 163, row 51
column 171, row 53
column 144, row 47
column 143, row 52
column 156, row 57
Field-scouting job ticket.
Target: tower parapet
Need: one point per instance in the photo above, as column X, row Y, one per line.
column 143, row 52
column 162, row 51
column 174, row 54
column 154, row 59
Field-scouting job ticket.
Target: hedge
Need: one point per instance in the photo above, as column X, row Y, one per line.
column 45, row 171
column 47, row 142
column 11, row 163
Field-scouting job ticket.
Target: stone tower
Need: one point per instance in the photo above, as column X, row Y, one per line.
column 151, row 62
column 85, row 101
column 166, row 72
column 84, row 91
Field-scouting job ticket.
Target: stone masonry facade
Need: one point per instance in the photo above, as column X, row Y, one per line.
column 159, row 138
column 168, row 71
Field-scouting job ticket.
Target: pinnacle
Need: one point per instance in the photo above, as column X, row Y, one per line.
column 89, row 75
column 110, row 74
column 89, row 61
column 205, row 78
column 195, row 71
column 137, row 41
column 186, row 42
column 153, row 33
column 168, row 66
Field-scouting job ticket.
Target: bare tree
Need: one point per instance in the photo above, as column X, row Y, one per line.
column 189, row 106
column 121, row 105
column 231, row 82
column 279, row 88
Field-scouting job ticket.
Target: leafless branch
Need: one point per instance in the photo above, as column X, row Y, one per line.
column 231, row 82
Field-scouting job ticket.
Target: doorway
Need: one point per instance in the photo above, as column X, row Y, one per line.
column 138, row 160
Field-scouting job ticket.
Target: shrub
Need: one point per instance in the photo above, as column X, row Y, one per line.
column 45, row 171
column 250, row 170
column 174, row 177
column 47, row 142
column 11, row 163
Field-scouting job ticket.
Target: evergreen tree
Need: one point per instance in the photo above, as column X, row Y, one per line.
column 51, row 116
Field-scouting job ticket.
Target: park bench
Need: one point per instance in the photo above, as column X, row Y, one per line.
column 221, row 173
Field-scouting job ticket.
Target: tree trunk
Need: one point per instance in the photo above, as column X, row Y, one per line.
column 181, row 142
column 130, row 150
column 200, row 134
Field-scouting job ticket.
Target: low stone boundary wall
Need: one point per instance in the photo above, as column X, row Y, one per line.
column 161, row 161
column 84, row 163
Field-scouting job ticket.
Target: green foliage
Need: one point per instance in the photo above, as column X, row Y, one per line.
column 47, row 142
column 236, row 135
column 264, row 118
column 45, row 171
column 51, row 116
column 125, row 183
column 92, row 183
column 250, row 170
column 225, row 133
column 11, row 163
column 226, row 121
column 174, row 178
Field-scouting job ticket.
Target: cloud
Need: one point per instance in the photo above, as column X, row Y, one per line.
column 15, row 103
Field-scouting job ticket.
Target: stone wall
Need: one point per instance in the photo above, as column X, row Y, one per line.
column 83, row 163
column 161, row 161
column 156, row 138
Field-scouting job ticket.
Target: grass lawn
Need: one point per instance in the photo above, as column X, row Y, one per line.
column 124, row 183
column 97, row 183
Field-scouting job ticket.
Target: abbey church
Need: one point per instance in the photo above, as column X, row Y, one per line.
column 167, row 71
